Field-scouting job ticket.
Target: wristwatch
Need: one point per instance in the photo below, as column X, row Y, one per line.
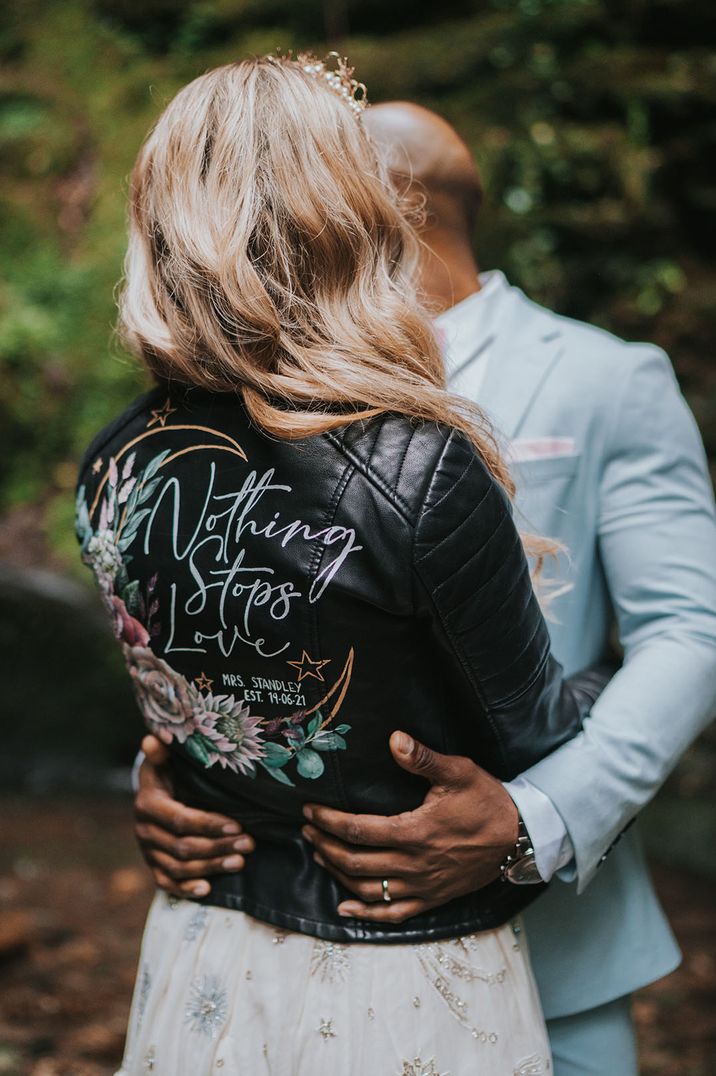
column 520, row 866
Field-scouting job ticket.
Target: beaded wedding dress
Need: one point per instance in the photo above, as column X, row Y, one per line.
column 220, row 992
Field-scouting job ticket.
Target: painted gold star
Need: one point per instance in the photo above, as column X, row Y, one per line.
column 308, row 667
column 161, row 414
column 203, row 682
column 97, row 465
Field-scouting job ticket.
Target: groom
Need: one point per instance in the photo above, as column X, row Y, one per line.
column 607, row 459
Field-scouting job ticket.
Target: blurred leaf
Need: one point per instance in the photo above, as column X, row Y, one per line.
column 592, row 124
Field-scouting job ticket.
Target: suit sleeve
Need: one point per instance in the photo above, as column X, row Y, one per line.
column 473, row 587
column 657, row 539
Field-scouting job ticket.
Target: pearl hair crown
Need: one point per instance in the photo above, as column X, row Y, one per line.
column 338, row 78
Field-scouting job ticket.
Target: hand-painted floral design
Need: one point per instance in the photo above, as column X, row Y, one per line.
column 167, row 700
column 212, row 728
column 126, row 627
column 106, row 560
column 305, row 744
column 227, row 733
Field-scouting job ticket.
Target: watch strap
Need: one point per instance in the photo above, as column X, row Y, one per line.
column 521, row 860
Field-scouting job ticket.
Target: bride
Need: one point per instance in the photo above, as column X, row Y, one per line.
column 303, row 540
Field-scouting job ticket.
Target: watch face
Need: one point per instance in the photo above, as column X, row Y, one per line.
column 524, row 871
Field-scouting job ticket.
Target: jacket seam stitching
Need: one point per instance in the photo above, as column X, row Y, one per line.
column 610, row 439
column 471, row 677
column 510, row 699
column 403, row 458
column 259, row 906
column 506, row 597
column 462, row 522
column 475, row 593
column 470, row 464
column 422, row 511
column 400, row 505
column 374, row 446
column 473, row 555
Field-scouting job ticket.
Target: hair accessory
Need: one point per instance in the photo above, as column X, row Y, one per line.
column 339, row 78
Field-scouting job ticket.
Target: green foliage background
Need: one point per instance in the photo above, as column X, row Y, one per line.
column 592, row 122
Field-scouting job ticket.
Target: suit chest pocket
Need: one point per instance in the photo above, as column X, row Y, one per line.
column 530, row 473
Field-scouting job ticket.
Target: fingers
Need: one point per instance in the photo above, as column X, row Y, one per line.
column 159, row 807
column 368, row 889
column 359, row 861
column 381, row 831
column 395, row 912
column 415, row 757
column 151, row 777
column 155, row 751
column 183, row 858
column 188, row 848
column 185, row 890
column 193, row 869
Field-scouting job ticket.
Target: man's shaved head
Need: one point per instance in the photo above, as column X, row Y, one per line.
column 424, row 147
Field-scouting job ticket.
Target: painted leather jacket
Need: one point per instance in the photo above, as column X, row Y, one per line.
column 283, row 606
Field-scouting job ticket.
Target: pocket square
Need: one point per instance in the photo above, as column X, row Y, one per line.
column 540, row 448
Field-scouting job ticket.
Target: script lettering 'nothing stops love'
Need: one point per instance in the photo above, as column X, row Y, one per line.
column 217, row 560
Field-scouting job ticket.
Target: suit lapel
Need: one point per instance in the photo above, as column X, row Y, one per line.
column 528, row 344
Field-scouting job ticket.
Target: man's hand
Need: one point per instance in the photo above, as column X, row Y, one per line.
column 182, row 845
column 453, row 844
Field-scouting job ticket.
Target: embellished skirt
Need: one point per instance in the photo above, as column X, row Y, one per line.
column 219, row 992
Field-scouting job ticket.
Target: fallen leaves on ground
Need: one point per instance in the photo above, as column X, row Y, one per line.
column 73, row 896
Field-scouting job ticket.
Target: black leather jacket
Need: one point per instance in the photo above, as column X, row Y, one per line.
column 284, row 606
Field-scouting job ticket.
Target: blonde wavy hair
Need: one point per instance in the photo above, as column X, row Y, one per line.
column 269, row 255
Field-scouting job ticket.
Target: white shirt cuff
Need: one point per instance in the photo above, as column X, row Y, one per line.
column 138, row 765
column 548, row 833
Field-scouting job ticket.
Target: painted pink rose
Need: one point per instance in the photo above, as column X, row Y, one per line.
column 126, row 627
column 168, row 702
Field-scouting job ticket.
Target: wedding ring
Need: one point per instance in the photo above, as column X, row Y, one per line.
column 386, row 891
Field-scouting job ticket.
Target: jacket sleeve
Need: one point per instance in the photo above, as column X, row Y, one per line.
column 657, row 540
column 473, row 586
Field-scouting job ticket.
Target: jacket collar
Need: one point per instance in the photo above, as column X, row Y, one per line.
column 526, row 343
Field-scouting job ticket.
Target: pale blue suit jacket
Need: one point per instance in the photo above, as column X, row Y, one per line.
column 632, row 503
